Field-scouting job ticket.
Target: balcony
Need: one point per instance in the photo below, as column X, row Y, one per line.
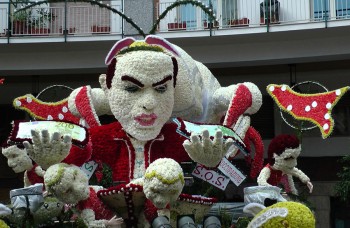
column 81, row 21
column 59, row 20
column 256, row 15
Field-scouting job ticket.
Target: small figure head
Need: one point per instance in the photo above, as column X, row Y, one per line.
column 284, row 150
column 140, row 86
column 17, row 159
column 67, row 182
column 163, row 182
column 283, row 214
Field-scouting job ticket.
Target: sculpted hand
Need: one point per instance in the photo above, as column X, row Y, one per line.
column 114, row 222
column 46, row 150
column 206, row 151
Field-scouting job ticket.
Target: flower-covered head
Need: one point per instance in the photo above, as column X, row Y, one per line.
column 163, row 182
column 282, row 214
column 140, row 85
column 18, row 160
column 67, row 182
column 283, row 151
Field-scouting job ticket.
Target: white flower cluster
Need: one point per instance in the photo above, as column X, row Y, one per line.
column 67, row 182
column 163, row 182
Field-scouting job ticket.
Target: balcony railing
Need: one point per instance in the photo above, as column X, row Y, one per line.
column 72, row 19
column 252, row 13
column 59, row 19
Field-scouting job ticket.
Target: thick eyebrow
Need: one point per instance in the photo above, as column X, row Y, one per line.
column 162, row 81
column 133, row 80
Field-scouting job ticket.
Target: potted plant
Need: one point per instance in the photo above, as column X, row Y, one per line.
column 177, row 25
column 20, row 22
column 40, row 22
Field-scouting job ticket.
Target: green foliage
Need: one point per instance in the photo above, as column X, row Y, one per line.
column 243, row 222
column 23, row 15
column 107, row 177
column 342, row 188
column 226, row 219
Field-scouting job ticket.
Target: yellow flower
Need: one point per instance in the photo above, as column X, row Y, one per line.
column 3, row 224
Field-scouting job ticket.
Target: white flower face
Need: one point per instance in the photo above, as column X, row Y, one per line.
column 288, row 159
column 18, row 161
column 141, row 96
column 73, row 186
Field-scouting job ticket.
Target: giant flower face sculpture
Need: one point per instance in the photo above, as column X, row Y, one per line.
column 141, row 93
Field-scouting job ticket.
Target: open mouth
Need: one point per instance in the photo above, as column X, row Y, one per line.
column 289, row 158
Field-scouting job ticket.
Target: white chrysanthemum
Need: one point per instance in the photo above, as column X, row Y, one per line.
column 67, row 182
column 163, row 182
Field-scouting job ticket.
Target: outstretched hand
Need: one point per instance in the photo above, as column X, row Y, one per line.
column 114, row 222
column 206, row 151
column 46, row 150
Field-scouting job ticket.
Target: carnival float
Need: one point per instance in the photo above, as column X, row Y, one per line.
column 174, row 126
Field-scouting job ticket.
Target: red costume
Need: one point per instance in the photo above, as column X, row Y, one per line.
column 95, row 204
column 111, row 145
column 277, row 178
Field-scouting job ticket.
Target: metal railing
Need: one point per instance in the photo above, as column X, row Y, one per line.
column 252, row 13
column 78, row 18
column 59, row 19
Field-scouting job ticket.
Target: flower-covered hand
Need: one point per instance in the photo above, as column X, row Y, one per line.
column 114, row 222
column 206, row 151
column 46, row 150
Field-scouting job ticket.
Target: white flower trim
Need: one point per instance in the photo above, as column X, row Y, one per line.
column 71, row 102
column 88, row 216
column 258, row 221
column 256, row 98
column 302, row 176
column 39, row 171
column 264, row 175
column 280, row 164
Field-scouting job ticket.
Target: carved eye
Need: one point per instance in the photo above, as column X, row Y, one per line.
column 131, row 89
column 161, row 88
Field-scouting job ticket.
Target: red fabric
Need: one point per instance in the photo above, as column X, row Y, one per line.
column 95, row 204
column 241, row 101
column 85, row 107
column 78, row 156
column 33, row 177
column 254, row 137
column 275, row 177
column 111, row 145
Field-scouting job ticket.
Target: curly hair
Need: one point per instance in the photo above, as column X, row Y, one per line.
column 279, row 144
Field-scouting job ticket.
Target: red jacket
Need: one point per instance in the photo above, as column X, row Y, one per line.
column 111, row 145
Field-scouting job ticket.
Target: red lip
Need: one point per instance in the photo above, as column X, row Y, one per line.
column 146, row 119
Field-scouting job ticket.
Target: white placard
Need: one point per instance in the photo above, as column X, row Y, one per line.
column 75, row 131
column 211, row 177
column 89, row 168
column 227, row 168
